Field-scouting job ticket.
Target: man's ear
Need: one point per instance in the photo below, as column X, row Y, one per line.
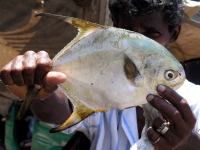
column 175, row 33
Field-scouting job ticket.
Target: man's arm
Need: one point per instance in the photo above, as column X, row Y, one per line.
column 50, row 105
column 54, row 109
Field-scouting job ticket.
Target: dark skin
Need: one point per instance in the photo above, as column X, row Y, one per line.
column 34, row 68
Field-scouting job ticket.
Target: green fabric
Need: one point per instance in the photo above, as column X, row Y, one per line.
column 41, row 139
column 10, row 138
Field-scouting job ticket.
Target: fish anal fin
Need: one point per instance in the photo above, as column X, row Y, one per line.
column 101, row 110
column 80, row 113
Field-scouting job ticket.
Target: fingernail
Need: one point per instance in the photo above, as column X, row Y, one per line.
column 149, row 98
column 161, row 88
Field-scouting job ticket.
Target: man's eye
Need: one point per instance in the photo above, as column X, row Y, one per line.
column 152, row 34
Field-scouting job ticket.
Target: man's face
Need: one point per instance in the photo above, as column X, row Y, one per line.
column 151, row 25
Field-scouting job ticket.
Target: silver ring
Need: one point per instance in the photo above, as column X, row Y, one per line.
column 156, row 141
column 163, row 128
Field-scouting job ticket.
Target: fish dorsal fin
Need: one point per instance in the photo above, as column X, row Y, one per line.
column 85, row 28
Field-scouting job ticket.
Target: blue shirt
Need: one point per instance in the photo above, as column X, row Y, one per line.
column 117, row 130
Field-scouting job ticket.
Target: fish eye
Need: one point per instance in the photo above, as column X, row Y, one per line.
column 169, row 75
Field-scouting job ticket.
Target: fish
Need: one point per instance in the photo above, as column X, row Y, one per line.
column 111, row 68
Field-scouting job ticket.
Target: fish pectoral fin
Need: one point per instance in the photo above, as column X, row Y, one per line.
column 80, row 112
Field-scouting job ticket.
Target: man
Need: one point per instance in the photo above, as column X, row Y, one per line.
column 159, row 20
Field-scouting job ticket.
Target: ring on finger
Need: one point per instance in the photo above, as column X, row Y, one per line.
column 156, row 141
column 163, row 128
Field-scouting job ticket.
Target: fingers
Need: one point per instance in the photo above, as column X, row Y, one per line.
column 16, row 72
column 5, row 75
column 177, row 112
column 29, row 69
column 29, row 65
column 153, row 135
column 168, row 135
column 169, row 111
column 44, row 65
column 12, row 72
column 160, row 141
column 178, row 102
column 156, row 139
column 169, row 139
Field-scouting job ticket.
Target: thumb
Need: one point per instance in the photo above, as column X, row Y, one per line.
column 50, row 82
column 53, row 78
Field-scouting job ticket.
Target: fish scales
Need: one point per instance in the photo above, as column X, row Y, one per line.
column 104, row 76
column 94, row 65
column 110, row 68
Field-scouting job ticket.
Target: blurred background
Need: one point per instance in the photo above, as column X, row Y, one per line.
column 21, row 31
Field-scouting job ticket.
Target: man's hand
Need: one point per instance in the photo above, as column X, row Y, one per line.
column 179, row 118
column 31, row 69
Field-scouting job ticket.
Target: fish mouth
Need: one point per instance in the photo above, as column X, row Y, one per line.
column 181, row 78
column 177, row 85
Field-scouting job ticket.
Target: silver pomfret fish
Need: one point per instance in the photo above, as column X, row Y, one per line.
column 110, row 68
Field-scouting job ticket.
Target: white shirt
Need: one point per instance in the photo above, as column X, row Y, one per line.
column 117, row 130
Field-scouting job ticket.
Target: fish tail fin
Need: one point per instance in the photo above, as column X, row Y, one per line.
column 80, row 113
column 30, row 95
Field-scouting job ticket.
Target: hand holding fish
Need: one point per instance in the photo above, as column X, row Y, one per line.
column 32, row 69
column 28, row 70
column 181, row 121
